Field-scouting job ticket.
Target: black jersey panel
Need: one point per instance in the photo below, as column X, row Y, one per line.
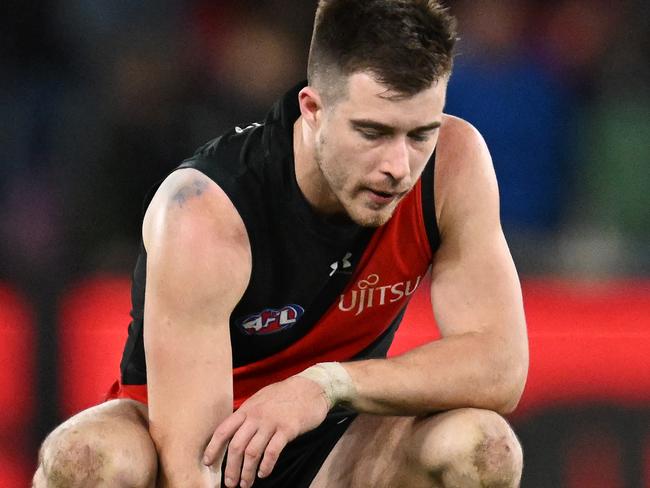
column 132, row 365
column 428, row 205
column 301, row 262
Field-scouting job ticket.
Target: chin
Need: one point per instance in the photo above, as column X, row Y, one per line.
column 366, row 214
column 370, row 218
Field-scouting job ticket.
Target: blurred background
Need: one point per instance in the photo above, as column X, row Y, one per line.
column 99, row 99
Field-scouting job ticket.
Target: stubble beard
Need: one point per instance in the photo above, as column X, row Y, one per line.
column 375, row 219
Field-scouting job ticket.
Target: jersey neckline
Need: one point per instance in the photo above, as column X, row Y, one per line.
column 279, row 124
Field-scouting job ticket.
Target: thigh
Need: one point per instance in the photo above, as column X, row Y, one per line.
column 374, row 451
column 383, row 451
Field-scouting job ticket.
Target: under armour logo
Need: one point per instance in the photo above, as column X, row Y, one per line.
column 239, row 130
column 345, row 263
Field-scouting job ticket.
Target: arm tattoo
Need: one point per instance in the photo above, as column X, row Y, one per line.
column 186, row 192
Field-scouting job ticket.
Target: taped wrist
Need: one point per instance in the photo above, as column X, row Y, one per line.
column 335, row 381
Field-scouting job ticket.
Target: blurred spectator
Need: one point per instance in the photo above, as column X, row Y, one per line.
column 161, row 91
column 120, row 138
column 243, row 62
column 573, row 39
column 523, row 113
column 32, row 79
column 599, row 51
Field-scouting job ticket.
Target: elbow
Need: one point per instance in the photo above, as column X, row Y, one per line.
column 510, row 398
column 510, row 386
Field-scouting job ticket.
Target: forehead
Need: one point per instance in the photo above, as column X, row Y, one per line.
column 367, row 99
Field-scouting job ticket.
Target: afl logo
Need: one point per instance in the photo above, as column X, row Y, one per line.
column 271, row 320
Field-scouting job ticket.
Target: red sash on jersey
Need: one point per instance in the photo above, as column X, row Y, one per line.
column 391, row 268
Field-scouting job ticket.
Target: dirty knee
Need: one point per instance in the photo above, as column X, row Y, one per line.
column 73, row 463
column 472, row 448
column 497, row 458
column 76, row 460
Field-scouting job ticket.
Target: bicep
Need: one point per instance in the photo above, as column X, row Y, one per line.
column 198, row 264
column 475, row 287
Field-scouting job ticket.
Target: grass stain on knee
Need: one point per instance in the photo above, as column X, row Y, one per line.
column 76, row 467
column 493, row 459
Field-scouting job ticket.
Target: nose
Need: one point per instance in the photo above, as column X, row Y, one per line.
column 396, row 159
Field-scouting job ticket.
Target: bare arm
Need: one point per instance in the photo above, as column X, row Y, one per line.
column 482, row 359
column 198, row 266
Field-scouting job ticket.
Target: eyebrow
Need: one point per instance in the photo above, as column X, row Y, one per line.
column 387, row 129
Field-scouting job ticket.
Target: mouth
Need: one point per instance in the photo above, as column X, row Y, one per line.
column 383, row 197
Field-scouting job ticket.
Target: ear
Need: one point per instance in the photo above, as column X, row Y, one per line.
column 311, row 106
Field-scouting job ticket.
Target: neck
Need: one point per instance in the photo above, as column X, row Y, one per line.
column 310, row 179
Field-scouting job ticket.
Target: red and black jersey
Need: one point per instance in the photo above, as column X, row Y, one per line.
column 319, row 290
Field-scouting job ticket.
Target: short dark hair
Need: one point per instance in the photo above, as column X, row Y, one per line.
column 406, row 45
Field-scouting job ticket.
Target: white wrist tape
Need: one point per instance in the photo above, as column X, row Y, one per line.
column 335, row 381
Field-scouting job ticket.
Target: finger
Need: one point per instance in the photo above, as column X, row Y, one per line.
column 272, row 453
column 252, row 455
column 236, row 450
column 222, row 434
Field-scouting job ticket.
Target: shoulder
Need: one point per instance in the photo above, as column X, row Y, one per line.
column 194, row 209
column 465, row 182
column 459, row 140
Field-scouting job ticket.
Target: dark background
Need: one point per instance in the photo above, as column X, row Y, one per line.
column 101, row 98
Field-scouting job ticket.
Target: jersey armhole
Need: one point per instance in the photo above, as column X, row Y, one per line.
column 429, row 205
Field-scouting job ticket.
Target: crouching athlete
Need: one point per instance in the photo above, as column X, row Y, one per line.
column 276, row 265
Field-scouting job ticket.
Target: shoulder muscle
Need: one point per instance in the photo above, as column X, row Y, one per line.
column 196, row 240
column 466, row 185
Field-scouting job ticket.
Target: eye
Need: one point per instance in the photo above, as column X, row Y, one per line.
column 371, row 135
column 419, row 137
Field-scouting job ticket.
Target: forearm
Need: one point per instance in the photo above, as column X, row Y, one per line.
column 175, row 474
column 190, row 393
column 184, row 411
column 180, row 443
column 469, row 370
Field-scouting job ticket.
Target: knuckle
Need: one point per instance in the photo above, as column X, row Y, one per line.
column 235, row 448
column 272, row 455
column 251, row 453
column 219, row 433
column 287, row 432
column 254, row 415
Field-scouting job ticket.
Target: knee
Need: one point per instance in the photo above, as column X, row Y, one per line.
column 472, row 447
column 72, row 457
column 497, row 456
column 72, row 460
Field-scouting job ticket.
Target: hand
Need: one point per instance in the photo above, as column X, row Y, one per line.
column 263, row 426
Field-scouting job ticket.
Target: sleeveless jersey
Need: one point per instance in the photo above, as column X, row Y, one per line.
column 319, row 290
